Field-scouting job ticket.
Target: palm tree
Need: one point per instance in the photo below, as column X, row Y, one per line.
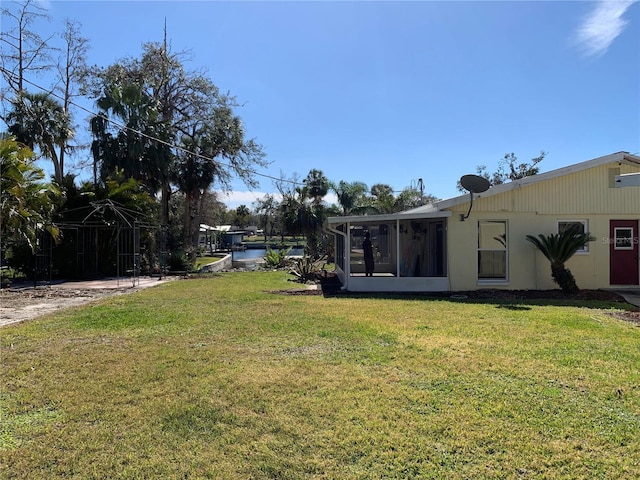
column 300, row 215
column 316, row 185
column 559, row 248
column 26, row 202
column 37, row 120
column 351, row 196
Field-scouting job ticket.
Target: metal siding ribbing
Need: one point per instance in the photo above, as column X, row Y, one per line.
column 582, row 192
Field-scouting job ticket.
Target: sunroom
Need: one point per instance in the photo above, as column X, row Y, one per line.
column 410, row 251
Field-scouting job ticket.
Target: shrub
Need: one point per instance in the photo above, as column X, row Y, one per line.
column 180, row 261
column 559, row 248
column 306, row 269
column 276, row 258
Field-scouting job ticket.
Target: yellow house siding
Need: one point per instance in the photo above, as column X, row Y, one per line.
column 521, row 261
column 579, row 193
column 527, row 267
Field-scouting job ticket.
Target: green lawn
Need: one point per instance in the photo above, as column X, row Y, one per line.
column 218, row 378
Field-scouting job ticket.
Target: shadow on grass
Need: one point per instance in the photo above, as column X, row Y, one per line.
column 506, row 299
column 514, row 307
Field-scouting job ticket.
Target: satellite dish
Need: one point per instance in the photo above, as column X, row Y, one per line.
column 473, row 184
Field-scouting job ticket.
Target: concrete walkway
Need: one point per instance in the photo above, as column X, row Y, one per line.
column 631, row 295
column 141, row 282
column 100, row 284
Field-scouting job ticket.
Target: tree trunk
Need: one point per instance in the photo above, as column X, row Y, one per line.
column 58, row 174
column 61, row 160
column 192, row 218
column 164, row 203
column 564, row 278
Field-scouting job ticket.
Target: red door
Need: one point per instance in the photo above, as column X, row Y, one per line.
column 623, row 258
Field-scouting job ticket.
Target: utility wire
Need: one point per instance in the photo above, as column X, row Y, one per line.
column 150, row 137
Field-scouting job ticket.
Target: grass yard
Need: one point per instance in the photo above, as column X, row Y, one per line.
column 218, row 378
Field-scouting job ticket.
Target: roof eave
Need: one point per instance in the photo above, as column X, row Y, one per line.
column 619, row 157
column 387, row 217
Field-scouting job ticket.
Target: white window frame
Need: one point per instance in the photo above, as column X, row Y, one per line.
column 615, row 238
column 585, row 226
column 495, row 280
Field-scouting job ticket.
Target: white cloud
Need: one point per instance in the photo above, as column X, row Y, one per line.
column 236, row 198
column 602, row 26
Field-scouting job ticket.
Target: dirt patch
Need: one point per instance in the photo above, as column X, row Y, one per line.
column 17, row 305
column 583, row 295
column 511, row 295
column 631, row 317
column 298, row 291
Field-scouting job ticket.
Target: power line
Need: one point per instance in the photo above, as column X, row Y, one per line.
column 150, row 137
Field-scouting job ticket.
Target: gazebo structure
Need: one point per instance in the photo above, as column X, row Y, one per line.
column 103, row 239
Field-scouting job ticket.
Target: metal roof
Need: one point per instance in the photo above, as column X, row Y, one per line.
column 619, row 157
column 439, row 209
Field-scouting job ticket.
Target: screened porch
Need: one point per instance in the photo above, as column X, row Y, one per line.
column 409, row 252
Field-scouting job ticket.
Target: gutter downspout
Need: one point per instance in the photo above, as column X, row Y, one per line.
column 347, row 248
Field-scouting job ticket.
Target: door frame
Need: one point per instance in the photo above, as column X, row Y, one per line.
column 624, row 252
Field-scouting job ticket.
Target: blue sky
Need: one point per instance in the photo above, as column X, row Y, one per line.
column 390, row 92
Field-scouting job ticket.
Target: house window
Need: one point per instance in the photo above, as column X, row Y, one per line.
column 492, row 250
column 582, row 228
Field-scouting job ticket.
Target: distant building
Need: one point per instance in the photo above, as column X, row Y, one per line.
column 212, row 237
